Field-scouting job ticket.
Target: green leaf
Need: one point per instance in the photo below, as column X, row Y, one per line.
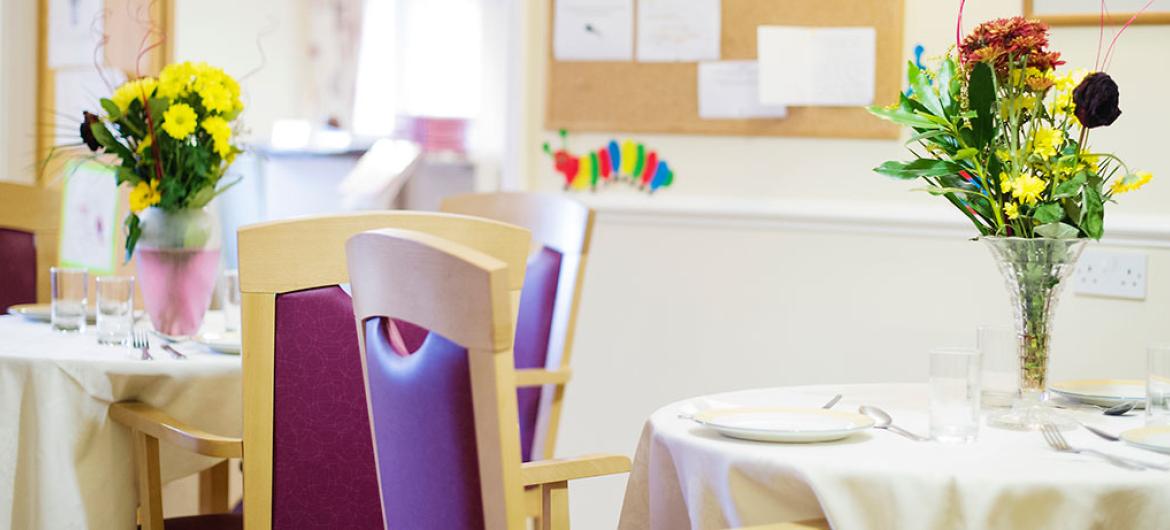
column 902, row 117
column 157, row 107
column 925, row 135
column 940, row 190
column 103, row 136
column 1071, row 187
column 1057, row 231
column 981, row 94
column 947, row 88
column 922, row 167
column 1093, row 215
column 111, row 109
column 924, row 93
column 1049, row 212
column 966, row 153
column 125, row 175
column 133, row 232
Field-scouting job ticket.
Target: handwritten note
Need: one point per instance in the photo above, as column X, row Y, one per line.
column 88, row 217
column 593, row 30
column 730, row 90
column 75, row 32
column 678, row 30
column 803, row 66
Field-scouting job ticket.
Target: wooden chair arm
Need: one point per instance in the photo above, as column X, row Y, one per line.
column 565, row 469
column 160, row 425
column 814, row 524
column 526, row 377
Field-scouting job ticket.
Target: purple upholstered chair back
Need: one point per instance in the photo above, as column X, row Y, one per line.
column 323, row 459
column 18, row 268
column 533, row 328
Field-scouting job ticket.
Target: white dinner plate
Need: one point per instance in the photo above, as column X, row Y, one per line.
column 784, row 424
column 1102, row 392
column 1152, row 438
column 43, row 312
column 225, row 342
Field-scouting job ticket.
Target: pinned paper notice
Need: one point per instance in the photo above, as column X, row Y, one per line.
column 593, row 30
column 803, row 66
column 678, row 30
column 88, row 217
column 730, row 90
column 75, row 32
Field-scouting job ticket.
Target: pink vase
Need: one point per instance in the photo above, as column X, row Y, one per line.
column 178, row 258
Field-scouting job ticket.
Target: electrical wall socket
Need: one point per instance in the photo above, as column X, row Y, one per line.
column 1113, row 274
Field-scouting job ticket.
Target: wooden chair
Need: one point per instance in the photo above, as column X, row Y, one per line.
column 444, row 417
column 30, row 218
column 819, row 524
column 307, row 449
column 562, row 227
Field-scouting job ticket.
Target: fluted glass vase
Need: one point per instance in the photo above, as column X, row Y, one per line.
column 178, row 258
column 1035, row 271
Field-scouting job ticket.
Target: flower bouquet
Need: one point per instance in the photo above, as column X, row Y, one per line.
column 998, row 133
column 172, row 141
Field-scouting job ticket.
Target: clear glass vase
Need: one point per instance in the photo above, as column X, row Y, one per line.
column 178, row 257
column 1035, row 271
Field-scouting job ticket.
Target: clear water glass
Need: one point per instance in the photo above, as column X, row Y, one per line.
column 230, row 297
column 69, row 289
column 115, row 309
column 1001, row 365
column 954, row 394
column 1158, row 385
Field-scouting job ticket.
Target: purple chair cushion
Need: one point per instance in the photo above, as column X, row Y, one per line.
column 533, row 326
column 323, row 458
column 18, row 268
column 425, row 429
column 218, row 521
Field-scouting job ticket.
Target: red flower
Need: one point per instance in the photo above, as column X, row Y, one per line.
column 1015, row 38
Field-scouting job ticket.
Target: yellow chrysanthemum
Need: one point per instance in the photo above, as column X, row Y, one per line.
column 1002, row 154
column 144, row 145
column 179, row 121
column 221, row 134
column 1046, row 141
column 175, row 80
column 144, row 195
column 1130, row 182
column 1062, row 101
column 1012, row 210
column 1028, row 188
column 1005, row 183
column 133, row 90
column 216, row 98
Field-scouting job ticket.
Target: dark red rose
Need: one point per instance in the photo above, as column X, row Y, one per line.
column 87, row 131
column 1096, row 100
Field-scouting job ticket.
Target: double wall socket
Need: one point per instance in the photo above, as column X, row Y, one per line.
column 1113, row 274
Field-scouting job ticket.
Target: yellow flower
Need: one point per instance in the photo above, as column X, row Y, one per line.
column 144, row 145
column 1062, row 102
column 133, row 90
column 179, row 121
column 175, row 80
column 216, row 98
column 144, row 195
column 1046, row 141
column 1002, row 154
column 220, row 133
column 1130, row 182
column 1028, row 188
column 1012, row 210
column 1005, row 183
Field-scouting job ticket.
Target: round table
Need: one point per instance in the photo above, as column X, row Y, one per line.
column 63, row 463
column 687, row 476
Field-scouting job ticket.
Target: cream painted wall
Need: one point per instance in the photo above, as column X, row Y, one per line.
column 18, row 88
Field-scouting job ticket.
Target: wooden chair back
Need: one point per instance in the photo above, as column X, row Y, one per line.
column 36, row 211
column 460, row 295
column 296, row 266
column 564, row 226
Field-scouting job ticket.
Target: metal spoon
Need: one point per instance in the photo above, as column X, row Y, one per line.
column 882, row 420
column 1120, row 409
column 832, row 402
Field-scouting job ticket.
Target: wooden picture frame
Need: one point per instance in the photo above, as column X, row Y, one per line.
column 1090, row 15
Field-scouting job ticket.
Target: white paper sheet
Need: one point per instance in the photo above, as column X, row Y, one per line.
column 730, row 90
column 88, row 223
column 593, row 30
column 76, row 90
column 75, row 30
column 802, row 66
column 678, row 30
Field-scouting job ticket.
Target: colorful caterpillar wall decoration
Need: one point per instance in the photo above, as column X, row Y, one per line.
column 628, row 162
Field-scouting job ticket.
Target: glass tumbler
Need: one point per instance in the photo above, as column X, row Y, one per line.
column 954, row 394
column 1158, row 385
column 115, row 309
column 231, row 300
column 69, row 289
column 1000, row 365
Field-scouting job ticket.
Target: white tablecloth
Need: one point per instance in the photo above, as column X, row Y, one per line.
column 686, row 476
column 63, row 463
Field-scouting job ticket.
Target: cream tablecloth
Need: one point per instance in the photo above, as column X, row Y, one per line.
column 686, row 476
column 63, row 463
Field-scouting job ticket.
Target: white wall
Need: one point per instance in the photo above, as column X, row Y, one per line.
column 18, row 89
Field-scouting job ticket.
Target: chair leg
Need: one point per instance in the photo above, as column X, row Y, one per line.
column 555, row 501
column 213, row 488
column 149, row 481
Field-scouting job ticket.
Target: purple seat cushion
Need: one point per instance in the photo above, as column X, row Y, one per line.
column 323, row 458
column 218, row 521
column 425, row 429
column 18, row 268
column 533, row 325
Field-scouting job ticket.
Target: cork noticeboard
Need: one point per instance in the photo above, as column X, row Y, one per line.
column 641, row 97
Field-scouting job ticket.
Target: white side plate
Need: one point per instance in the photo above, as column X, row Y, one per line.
column 1102, row 392
column 784, row 424
column 226, row 342
column 1152, row 438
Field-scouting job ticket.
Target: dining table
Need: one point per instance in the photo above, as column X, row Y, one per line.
column 686, row 475
column 64, row 464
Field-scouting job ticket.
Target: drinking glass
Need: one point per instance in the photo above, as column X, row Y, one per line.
column 954, row 394
column 1158, row 385
column 115, row 309
column 231, row 300
column 1001, row 365
column 69, row 287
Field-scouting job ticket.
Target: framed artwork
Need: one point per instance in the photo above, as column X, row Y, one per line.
column 1088, row 12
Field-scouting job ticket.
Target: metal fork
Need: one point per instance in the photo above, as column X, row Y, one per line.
column 1055, row 439
column 142, row 342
